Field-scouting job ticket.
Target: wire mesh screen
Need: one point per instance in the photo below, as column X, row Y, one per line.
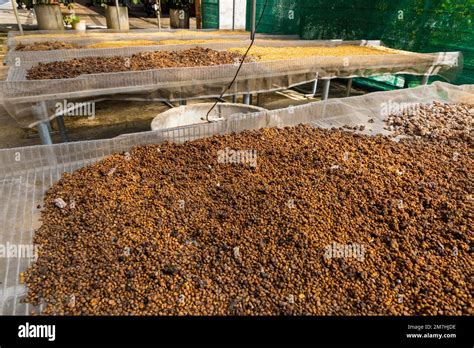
column 26, row 59
column 26, row 173
column 21, row 96
column 98, row 36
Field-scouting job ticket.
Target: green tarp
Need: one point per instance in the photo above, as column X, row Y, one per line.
column 210, row 14
column 280, row 17
column 415, row 25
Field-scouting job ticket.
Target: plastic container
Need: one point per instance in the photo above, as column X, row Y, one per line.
column 196, row 114
column 81, row 25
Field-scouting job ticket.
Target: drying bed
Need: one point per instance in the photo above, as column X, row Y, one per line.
column 127, row 47
column 46, row 46
column 435, row 121
column 197, row 56
column 32, row 102
column 264, row 53
column 181, row 229
column 59, row 45
column 133, row 37
column 91, row 36
column 28, row 172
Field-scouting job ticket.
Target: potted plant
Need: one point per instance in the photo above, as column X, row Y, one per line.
column 75, row 22
column 116, row 18
column 179, row 13
column 80, row 25
column 48, row 13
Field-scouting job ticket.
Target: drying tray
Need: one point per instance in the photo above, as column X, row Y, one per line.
column 33, row 101
column 26, row 173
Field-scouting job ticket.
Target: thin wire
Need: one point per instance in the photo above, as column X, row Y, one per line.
column 241, row 63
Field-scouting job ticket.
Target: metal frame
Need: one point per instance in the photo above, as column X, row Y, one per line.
column 76, row 94
column 326, row 85
column 25, row 182
column 248, row 98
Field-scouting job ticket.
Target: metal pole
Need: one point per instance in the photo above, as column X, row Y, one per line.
column 118, row 17
column 62, row 128
column 17, row 17
column 233, row 15
column 315, row 87
column 425, row 79
column 48, row 123
column 326, row 84
column 315, row 84
column 349, row 87
column 158, row 13
column 247, row 99
column 43, row 126
column 254, row 19
column 44, row 133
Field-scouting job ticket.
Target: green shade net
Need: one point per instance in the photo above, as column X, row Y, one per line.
column 415, row 25
column 280, row 17
column 210, row 14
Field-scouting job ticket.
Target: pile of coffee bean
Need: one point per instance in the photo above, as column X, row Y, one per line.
column 438, row 121
column 47, row 46
column 290, row 221
column 192, row 57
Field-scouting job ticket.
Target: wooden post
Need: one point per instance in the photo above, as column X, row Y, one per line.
column 198, row 14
